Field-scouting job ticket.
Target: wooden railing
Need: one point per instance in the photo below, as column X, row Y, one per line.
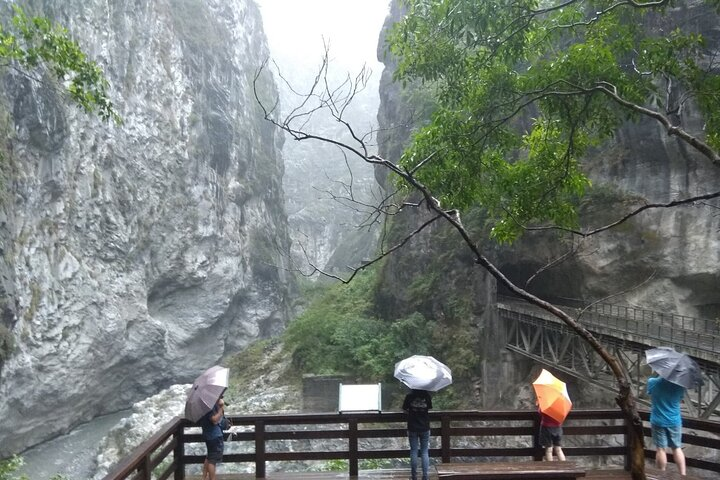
column 456, row 435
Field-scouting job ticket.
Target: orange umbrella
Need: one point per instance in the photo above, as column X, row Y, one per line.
column 552, row 395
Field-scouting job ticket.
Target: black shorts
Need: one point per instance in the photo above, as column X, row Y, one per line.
column 550, row 436
column 214, row 450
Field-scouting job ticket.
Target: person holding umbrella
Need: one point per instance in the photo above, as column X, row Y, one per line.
column 213, row 423
column 676, row 372
column 416, row 405
column 666, row 421
column 206, row 407
column 553, row 404
column 422, row 374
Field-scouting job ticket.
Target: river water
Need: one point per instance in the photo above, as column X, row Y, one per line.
column 73, row 454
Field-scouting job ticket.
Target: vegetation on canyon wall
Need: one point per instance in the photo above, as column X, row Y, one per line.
column 36, row 46
column 525, row 89
column 9, row 470
column 342, row 332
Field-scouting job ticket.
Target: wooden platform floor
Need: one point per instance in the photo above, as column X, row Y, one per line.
column 404, row 474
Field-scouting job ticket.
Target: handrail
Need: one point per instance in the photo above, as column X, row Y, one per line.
column 141, row 459
column 655, row 326
column 684, row 322
column 457, row 432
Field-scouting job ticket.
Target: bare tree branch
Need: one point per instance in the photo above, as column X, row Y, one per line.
column 553, row 263
column 617, row 294
column 675, row 203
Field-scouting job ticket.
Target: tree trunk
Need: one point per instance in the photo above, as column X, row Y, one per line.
column 635, row 437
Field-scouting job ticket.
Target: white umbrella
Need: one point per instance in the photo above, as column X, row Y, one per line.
column 205, row 391
column 422, row 372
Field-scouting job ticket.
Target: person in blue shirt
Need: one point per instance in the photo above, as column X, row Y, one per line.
column 666, row 421
column 212, row 427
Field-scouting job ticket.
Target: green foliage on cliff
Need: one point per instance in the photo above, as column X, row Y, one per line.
column 9, row 468
column 28, row 43
column 339, row 333
column 525, row 88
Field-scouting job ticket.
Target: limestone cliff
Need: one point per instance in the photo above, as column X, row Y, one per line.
column 666, row 259
column 136, row 255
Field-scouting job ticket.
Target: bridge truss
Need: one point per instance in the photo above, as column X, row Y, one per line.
column 545, row 339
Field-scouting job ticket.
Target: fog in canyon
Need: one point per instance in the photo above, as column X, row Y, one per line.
column 327, row 230
column 160, row 247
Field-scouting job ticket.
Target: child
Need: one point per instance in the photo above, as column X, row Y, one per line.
column 550, row 437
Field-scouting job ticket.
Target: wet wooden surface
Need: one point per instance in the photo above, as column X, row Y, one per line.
column 509, row 470
column 404, row 474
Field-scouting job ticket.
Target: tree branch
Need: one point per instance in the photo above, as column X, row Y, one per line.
column 674, row 203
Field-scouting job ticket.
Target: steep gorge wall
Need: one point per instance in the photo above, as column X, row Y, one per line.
column 666, row 260
column 433, row 274
column 136, row 255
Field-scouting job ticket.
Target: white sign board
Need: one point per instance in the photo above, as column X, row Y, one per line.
column 360, row 398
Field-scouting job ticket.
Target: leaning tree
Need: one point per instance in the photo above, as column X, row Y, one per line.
column 521, row 91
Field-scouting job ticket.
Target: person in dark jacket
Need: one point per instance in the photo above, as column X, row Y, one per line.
column 416, row 405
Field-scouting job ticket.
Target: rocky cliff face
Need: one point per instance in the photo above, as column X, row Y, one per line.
column 433, row 274
column 665, row 259
column 136, row 255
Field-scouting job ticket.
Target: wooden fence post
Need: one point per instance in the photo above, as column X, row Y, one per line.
column 538, row 450
column 179, row 453
column 445, row 438
column 259, row 449
column 145, row 467
column 353, row 446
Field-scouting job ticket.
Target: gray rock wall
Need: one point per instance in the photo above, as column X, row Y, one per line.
column 666, row 260
column 137, row 255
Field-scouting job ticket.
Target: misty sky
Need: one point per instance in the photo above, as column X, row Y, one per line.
column 295, row 30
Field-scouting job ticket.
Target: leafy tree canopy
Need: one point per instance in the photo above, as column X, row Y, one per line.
column 523, row 89
column 27, row 43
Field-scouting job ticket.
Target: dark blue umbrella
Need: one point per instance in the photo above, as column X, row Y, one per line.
column 674, row 367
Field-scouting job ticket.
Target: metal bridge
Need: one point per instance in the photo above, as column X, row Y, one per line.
column 627, row 333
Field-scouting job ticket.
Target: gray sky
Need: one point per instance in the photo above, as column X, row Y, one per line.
column 295, row 30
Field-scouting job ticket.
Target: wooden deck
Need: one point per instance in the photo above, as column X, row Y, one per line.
column 509, row 470
column 404, row 474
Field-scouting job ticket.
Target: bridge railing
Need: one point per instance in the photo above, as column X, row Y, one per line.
column 655, row 317
column 658, row 318
column 262, row 440
column 700, row 335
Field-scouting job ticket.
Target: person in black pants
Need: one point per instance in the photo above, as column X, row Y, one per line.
column 416, row 405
